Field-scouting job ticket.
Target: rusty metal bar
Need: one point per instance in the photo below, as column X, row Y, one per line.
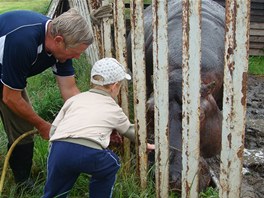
column 234, row 100
column 53, row 6
column 106, row 34
column 191, row 96
column 121, row 55
column 161, row 107
column 139, row 86
column 92, row 52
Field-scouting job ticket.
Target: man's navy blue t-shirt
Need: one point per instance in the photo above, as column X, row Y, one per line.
column 22, row 49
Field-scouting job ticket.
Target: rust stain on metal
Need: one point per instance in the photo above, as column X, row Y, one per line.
column 125, row 53
column 159, row 173
column 229, row 138
column 244, row 89
column 186, row 26
column 223, row 170
column 231, row 67
column 240, row 152
column 133, row 14
column 155, row 6
column 234, row 25
column 230, row 51
column 167, row 131
column 138, row 127
column 229, row 164
column 187, row 187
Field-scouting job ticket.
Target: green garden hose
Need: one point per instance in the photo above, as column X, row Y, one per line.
column 34, row 131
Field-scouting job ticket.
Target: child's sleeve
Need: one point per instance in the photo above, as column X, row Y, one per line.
column 130, row 133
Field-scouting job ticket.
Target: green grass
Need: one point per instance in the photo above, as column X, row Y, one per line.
column 36, row 5
column 256, row 65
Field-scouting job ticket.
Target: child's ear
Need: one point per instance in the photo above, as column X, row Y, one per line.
column 115, row 85
column 112, row 86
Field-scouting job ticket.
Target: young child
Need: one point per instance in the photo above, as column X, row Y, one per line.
column 81, row 132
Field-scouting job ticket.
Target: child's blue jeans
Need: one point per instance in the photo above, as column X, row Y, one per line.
column 67, row 160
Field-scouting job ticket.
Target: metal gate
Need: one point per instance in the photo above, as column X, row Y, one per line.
column 235, row 80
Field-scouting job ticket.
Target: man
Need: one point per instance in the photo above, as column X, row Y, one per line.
column 29, row 44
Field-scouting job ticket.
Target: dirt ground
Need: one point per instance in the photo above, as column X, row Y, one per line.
column 253, row 165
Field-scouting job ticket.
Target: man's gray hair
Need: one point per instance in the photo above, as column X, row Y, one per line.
column 73, row 28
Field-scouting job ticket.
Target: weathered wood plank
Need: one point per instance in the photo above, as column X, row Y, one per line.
column 254, row 25
column 256, row 52
column 254, row 45
column 254, row 32
column 256, row 39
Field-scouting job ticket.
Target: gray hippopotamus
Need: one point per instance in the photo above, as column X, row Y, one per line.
column 212, row 66
column 210, row 134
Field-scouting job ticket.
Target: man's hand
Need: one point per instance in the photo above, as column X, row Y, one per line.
column 44, row 130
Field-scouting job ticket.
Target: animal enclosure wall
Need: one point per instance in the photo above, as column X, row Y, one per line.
column 110, row 40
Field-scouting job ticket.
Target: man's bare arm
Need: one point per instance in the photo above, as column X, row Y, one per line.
column 14, row 100
column 67, row 86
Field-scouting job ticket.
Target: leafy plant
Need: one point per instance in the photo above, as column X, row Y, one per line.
column 209, row 193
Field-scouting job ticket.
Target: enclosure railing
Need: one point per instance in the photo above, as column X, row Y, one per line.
column 235, row 80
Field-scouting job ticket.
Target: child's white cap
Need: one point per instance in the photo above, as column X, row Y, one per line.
column 111, row 71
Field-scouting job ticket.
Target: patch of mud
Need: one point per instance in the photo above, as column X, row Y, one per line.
column 253, row 165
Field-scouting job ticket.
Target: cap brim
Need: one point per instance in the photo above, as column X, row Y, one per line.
column 127, row 76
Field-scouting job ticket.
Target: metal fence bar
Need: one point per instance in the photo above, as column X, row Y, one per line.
column 139, row 86
column 161, row 107
column 191, row 96
column 106, row 34
column 121, row 55
column 52, row 8
column 234, row 100
column 82, row 7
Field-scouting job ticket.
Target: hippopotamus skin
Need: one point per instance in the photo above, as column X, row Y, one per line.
column 212, row 66
column 213, row 30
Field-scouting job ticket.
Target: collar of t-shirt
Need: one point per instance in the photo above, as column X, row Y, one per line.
column 99, row 91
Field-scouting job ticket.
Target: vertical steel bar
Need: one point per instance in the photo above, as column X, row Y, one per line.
column 160, row 75
column 121, row 55
column 106, row 34
column 53, row 7
column 234, row 100
column 93, row 50
column 139, row 85
column 191, row 96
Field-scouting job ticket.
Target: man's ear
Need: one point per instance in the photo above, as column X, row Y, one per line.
column 59, row 40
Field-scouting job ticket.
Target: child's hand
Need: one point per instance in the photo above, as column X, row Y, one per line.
column 115, row 138
column 150, row 147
